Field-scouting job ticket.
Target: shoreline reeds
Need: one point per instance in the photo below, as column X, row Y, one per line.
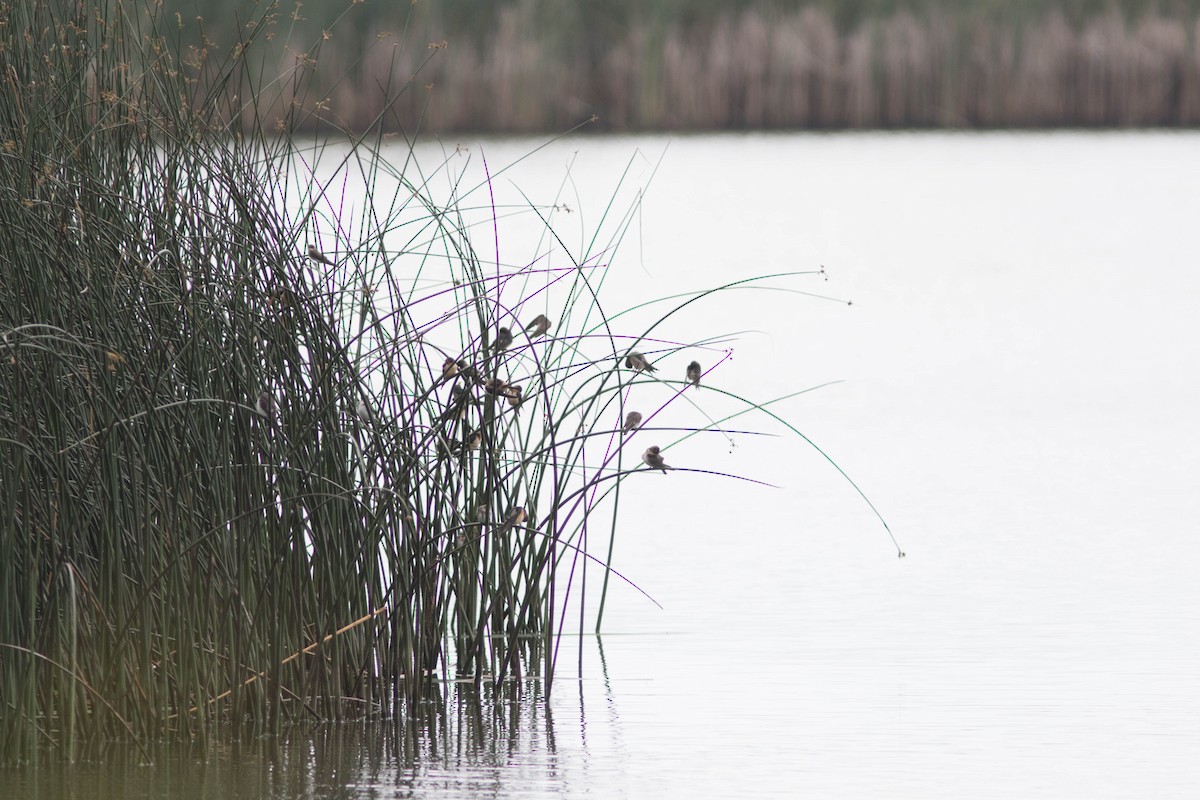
column 264, row 458
column 538, row 69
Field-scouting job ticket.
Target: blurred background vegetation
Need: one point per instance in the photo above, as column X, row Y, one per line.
column 511, row 66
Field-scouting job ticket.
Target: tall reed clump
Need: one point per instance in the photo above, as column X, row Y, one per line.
column 263, row 456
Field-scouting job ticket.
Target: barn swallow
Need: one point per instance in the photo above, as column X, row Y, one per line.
column 467, row 371
column 632, row 420
column 318, row 256
column 475, row 440
column 460, row 400
column 513, row 393
column 449, row 368
column 514, row 518
column 503, row 340
column 539, row 326
column 637, row 361
column 461, row 396
column 495, row 386
column 693, row 373
column 654, row 459
column 265, row 407
column 364, row 413
column 481, row 513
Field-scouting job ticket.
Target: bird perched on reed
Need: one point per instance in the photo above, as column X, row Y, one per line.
column 449, row 368
column 632, row 420
column 637, row 361
column 515, row 517
column 495, row 386
column 363, row 412
column 693, row 373
column 515, row 398
column 460, row 400
column 318, row 256
column 654, row 460
column 265, row 407
column 503, row 340
column 467, row 371
column 539, row 326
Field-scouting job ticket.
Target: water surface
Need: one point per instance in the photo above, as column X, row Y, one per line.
column 1018, row 399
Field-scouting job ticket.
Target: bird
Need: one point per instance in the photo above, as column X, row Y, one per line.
column 513, row 393
column 318, row 256
column 632, row 420
column 495, row 386
column 265, row 407
column 449, row 368
column 503, row 339
column 364, row 413
column 456, row 408
column 514, row 518
column 460, row 398
column 654, row 460
column 693, row 373
column 468, row 372
column 637, row 361
column 539, row 326
column 475, row 440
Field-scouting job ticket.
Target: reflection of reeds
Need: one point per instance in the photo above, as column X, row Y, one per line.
column 800, row 70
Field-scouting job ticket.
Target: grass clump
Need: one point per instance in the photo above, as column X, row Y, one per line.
column 263, row 457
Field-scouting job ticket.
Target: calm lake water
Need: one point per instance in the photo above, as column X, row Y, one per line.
column 1018, row 398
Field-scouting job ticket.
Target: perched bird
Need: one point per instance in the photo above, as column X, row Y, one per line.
column 460, row 399
column 364, row 413
column 632, row 420
column 693, row 373
column 637, row 361
column 481, row 513
column 475, row 440
column 318, row 256
column 503, row 340
column 495, row 386
column 467, row 371
column 514, row 518
column 539, row 326
column 514, row 396
column 265, row 407
column 654, row 460
column 449, row 368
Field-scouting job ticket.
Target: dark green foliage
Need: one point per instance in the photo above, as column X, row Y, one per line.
column 236, row 485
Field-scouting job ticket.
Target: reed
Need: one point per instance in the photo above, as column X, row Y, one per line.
column 244, row 482
column 536, row 66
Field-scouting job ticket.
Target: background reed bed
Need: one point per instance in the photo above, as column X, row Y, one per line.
column 281, row 436
column 536, row 65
